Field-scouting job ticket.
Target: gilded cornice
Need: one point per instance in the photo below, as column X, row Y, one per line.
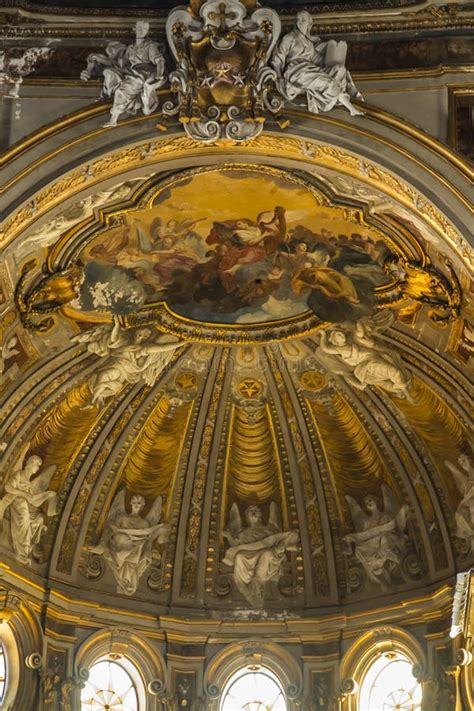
column 25, row 20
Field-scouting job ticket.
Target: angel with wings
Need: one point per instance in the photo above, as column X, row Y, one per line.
column 380, row 535
column 257, row 551
column 359, row 357
column 127, row 541
column 25, row 504
column 464, row 477
column 131, row 357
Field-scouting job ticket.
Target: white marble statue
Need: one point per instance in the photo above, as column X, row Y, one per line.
column 130, row 357
column 24, row 505
column 380, row 535
column 464, row 516
column 258, row 551
column 127, row 541
column 355, row 353
column 131, row 74
column 307, row 66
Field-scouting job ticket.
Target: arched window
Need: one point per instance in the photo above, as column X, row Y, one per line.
column 389, row 684
column 109, row 687
column 253, row 688
column 3, row 672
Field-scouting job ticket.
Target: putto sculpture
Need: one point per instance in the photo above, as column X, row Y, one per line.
column 232, row 70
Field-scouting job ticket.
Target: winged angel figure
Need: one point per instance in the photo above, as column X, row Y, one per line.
column 131, row 357
column 25, row 504
column 127, row 541
column 380, row 535
column 464, row 516
column 359, row 357
column 257, row 552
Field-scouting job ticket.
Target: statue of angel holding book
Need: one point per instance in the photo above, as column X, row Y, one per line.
column 307, row 66
column 379, row 536
column 26, row 503
column 127, row 541
column 257, row 551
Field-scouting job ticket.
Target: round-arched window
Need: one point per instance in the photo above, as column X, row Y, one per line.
column 109, row 688
column 3, row 672
column 389, row 684
column 253, row 688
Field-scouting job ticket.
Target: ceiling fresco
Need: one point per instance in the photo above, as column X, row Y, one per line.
column 236, row 387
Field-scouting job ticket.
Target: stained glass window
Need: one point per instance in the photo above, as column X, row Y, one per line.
column 3, row 672
column 253, row 689
column 109, row 688
column 389, row 684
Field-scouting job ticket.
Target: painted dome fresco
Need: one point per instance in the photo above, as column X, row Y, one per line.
column 241, row 385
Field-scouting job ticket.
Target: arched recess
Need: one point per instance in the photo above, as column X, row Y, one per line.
column 257, row 654
column 366, row 649
column 22, row 639
column 142, row 661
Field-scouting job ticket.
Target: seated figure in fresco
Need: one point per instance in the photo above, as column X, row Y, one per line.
column 21, row 507
column 302, row 63
column 380, row 535
column 131, row 74
column 257, row 551
column 127, row 541
column 357, row 356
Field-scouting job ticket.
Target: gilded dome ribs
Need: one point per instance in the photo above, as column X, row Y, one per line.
column 421, row 479
column 308, row 497
column 207, row 435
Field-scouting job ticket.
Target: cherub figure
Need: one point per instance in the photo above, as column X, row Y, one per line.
column 357, row 355
column 21, row 506
column 257, row 552
column 464, row 516
column 127, row 541
column 131, row 357
column 379, row 537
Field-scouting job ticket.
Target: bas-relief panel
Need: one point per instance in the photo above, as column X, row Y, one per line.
column 230, row 249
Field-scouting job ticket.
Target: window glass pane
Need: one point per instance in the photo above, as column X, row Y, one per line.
column 389, row 684
column 3, row 672
column 109, row 688
column 253, row 689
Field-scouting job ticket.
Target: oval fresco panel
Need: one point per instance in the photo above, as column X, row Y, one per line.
column 235, row 247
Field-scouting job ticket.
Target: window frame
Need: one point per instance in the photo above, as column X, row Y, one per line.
column 132, row 672
column 244, row 670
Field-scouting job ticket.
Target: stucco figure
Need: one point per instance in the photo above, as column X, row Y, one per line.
column 257, row 552
column 379, row 537
column 127, row 541
column 131, row 357
column 131, row 74
column 307, row 66
column 25, row 505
